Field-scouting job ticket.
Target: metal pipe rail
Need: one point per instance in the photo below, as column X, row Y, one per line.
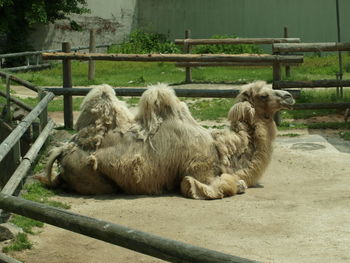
column 20, row 81
column 33, row 53
column 129, row 238
column 203, row 93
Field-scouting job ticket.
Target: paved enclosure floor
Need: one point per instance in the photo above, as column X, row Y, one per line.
column 300, row 213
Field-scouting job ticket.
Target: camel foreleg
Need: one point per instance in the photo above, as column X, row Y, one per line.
column 219, row 187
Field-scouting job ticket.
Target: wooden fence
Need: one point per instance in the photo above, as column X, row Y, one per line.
column 188, row 43
column 66, row 57
column 33, row 58
column 21, row 162
column 338, row 83
column 142, row 242
column 133, row 239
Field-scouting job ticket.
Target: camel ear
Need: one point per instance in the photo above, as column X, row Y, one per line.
column 245, row 95
column 241, row 111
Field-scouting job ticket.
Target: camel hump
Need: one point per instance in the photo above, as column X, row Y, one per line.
column 157, row 104
column 101, row 108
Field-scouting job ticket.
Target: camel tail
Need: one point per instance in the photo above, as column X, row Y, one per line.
column 50, row 178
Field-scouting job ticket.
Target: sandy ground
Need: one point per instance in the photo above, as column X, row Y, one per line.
column 301, row 213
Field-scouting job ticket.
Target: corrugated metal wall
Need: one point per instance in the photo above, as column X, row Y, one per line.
column 311, row 20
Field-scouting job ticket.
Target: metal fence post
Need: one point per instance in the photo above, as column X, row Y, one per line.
column 187, row 49
column 287, row 67
column 92, row 49
column 67, row 83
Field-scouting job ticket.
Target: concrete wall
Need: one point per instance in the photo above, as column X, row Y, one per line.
column 113, row 20
column 311, row 20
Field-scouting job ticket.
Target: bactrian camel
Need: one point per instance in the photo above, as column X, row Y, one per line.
column 162, row 148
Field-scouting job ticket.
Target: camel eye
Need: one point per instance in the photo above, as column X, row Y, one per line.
column 264, row 97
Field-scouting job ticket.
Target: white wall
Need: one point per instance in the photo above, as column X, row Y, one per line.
column 112, row 19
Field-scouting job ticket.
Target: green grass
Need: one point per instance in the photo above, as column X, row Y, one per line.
column 345, row 135
column 290, row 135
column 321, row 125
column 21, row 242
column 210, row 109
column 25, row 223
column 131, row 74
column 37, row 193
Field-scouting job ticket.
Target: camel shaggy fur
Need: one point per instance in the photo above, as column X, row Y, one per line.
column 164, row 149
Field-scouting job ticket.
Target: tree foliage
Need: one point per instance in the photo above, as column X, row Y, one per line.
column 19, row 16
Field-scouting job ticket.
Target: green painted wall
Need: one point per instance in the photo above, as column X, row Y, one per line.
column 311, row 20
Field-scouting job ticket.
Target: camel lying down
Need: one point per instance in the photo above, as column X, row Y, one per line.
column 162, row 148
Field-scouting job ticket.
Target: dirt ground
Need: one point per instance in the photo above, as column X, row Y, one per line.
column 300, row 213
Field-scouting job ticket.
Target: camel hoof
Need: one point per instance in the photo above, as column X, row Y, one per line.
column 241, row 187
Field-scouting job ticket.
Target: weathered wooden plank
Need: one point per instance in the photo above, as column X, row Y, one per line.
column 310, row 47
column 136, row 240
column 310, row 106
column 222, row 41
column 175, row 57
column 326, row 83
column 21, row 171
column 17, row 133
column 226, row 64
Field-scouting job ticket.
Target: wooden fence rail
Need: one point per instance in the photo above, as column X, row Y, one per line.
column 18, row 176
column 21, row 128
column 136, row 240
column 223, row 41
column 175, row 57
column 326, row 83
column 310, row 47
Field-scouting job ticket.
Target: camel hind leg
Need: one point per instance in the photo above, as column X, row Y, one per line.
column 219, row 187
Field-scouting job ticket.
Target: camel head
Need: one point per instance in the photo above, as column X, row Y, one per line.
column 258, row 100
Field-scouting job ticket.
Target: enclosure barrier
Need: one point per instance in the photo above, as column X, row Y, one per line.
column 188, row 43
column 195, row 93
column 175, row 57
column 313, row 47
column 11, row 143
column 17, row 133
column 66, row 57
column 37, row 56
column 223, row 41
column 129, row 238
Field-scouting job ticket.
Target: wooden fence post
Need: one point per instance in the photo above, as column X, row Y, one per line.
column 67, row 83
column 287, row 67
column 187, row 49
column 43, row 115
column 92, row 49
column 8, row 99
